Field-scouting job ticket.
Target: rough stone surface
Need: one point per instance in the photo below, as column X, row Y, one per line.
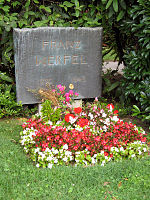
column 58, row 56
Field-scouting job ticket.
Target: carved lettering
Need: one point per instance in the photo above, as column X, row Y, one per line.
column 83, row 61
column 50, row 60
column 74, row 60
column 66, row 58
column 53, row 44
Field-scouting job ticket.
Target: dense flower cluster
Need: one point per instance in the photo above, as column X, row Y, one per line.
column 89, row 135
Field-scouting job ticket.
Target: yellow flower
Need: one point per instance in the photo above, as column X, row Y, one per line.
column 71, row 86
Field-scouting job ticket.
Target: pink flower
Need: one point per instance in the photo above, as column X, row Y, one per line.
column 76, row 94
column 96, row 99
column 67, row 95
column 67, row 99
column 59, row 86
column 70, row 92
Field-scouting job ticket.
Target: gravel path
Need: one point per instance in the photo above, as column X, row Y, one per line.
column 112, row 65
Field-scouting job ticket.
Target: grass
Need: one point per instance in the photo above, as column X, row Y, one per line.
column 21, row 180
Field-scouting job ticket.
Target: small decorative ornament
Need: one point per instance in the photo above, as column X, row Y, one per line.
column 71, row 86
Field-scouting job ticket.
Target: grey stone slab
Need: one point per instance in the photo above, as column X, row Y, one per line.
column 57, row 55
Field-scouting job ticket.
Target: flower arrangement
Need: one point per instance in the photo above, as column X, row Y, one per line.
column 89, row 135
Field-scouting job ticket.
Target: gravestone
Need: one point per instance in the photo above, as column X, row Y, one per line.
column 55, row 56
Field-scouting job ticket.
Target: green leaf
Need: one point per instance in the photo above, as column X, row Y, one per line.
column 6, row 78
column 31, row 13
column 27, row 4
column 123, row 4
column 15, row 3
column 36, row 1
column 113, row 86
column 109, row 4
column 26, row 15
column 68, row 4
column 120, row 16
column 47, row 9
column 77, row 13
column 6, row 8
column 115, row 5
column 77, row 3
column 136, row 108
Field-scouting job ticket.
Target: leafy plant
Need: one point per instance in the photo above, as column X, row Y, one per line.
column 8, row 104
column 112, row 88
column 49, row 113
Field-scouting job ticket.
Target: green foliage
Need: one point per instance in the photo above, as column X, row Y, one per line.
column 8, row 104
column 50, row 113
column 137, row 74
column 111, row 81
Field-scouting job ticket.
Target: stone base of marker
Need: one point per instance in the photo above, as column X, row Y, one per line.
column 77, row 103
column 39, row 108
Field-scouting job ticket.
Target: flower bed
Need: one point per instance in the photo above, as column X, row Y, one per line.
column 81, row 136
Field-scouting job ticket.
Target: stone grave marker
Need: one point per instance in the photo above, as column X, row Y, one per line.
column 55, row 56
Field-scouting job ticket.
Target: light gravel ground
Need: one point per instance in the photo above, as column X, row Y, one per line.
column 113, row 66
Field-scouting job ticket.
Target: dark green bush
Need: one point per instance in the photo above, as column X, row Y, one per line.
column 8, row 104
column 137, row 56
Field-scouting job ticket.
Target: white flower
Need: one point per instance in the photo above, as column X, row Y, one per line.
column 68, row 153
column 104, row 115
column 90, row 115
column 107, row 121
column 144, row 149
column 115, row 118
column 65, row 147
column 93, row 161
column 49, row 158
column 55, row 151
column 83, row 113
column 116, row 149
column 78, row 128
column 102, row 111
column 121, row 149
column 103, row 162
column 65, row 159
column 112, row 149
column 43, row 156
column 47, row 150
column 133, row 155
column 106, row 158
column 55, row 160
column 50, row 165
column 37, row 165
column 105, row 128
column 102, row 152
column 37, row 150
column 95, row 155
column 72, row 119
column 71, row 158
column 49, row 122
column 140, row 152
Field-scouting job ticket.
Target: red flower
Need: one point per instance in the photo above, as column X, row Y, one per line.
column 83, row 122
column 78, row 110
column 105, row 154
column 116, row 111
column 67, row 117
column 110, row 106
